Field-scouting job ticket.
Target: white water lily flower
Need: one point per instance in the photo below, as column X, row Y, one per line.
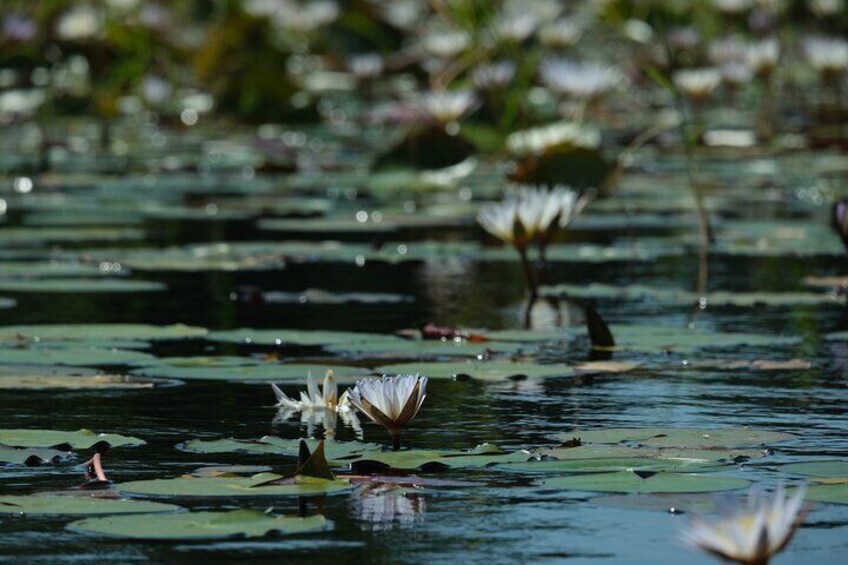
column 494, row 75
column 698, row 84
column 751, row 532
column 366, row 65
column 313, row 398
column 561, row 33
column 499, row 219
column 578, row 80
column 762, row 56
column 448, row 105
column 826, row 8
column 78, row 23
column 827, row 54
column 733, row 6
column 391, row 402
column 536, row 141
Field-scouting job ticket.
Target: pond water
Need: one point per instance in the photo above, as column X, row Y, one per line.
column 502, row 516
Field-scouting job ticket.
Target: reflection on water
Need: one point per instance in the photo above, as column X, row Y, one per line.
column 387, row 506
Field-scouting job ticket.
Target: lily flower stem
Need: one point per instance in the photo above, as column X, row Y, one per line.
column 396, row 442
column 94, row 468
column 528, row 273
column 541, row 261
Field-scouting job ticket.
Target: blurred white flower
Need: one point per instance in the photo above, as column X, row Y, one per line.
column 305, row 17
column 501, row 220
column 698, row 84
column 736, row 73
column 365, row 66
column 762, row 56
column 448, row 106
column 730, row 49
column 827, row 54
column 79, row 22
column 515, row 26
column 445, row 44
column 536, row 141
column 391, row 402
column 826, row 8
column 403, row 14
column 559, row 34
column 578, row 80
column 733, row 6
column 493, row 76
column 155, row 90
column 751, row 532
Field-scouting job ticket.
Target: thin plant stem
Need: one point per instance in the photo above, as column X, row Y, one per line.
column 528, row 273
column 396, row 441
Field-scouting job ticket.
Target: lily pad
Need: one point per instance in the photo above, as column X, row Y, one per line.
column 80, row 439
column 295, row 337
column 608, row 465
column 97, row 332
column 74, row 285
column 33, row 455
column 41, row 269
column 249, row 371
column 631, row 482
column 479, row 370
column 320, row 297
column 79, row 505
column 396, row 348
column 26, row 381
column 416, row 459
column 200, row 525
column 827, row 469
column 668, row 503
column 620, row 451
column 75, row 356
column 679, row 437
column 680, row 296
column 834, row 494
column 7, row 303
column 208, row 487
column 12, row 236
column 335, row 452
column 659, row 338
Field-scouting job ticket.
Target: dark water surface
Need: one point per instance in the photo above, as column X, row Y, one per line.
column 503, row 519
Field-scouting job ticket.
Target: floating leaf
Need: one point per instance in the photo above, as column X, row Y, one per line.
column 335, row 451
column 315, row 296
column 97, row 332
column 82, row 356
column 480, row 370
column 679, row 437
column 414, row 459
column 828, row 469
column 652, row 338
column 604, row 367
column 679, row 296
column 834, row 494
column 79, row 285
column 33, row 455
column 632, row 482
column 79, row 505
column 608, row 465
column 248, row 371
column 396, row 348
column 80, row 439
column 249, row 336
column 13, row 236
column 200, row 525
column 612, row 451
column 189, row 486
column 670, row 503
column 25, row 381
column 7, row 303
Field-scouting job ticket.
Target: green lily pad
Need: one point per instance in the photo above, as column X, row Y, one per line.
column 335, row 452
column 33, row 455
column 81, row 356
column 631, row 482
column 249, row 371
column 609, row 465
column 97, row 332
column 480, row 370
column 827, row 469
column 42, row 269
column 249, row 336
column 12, row 236
column 413, row 459
column 234, row 486
column 74, row 285
column 7, row 303
column 680, row 296
column 667, row 503
column 316, row 296
column 679, row 437
column 834, row 494
column 25, row 381
column 395, row 348
column 619, row 451
column 200, row 525
column 79, row 505
column 653, row 338
column 530, row 336
column 80, row 439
